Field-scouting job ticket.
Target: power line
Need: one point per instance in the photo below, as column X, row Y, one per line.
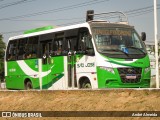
column 18, row 31
column 143, row 12
column 140, row 11
column 133, row 13
column 10, row 32
column 60, row 19
column 130, row 13
column 14, row 3
column 56, row 10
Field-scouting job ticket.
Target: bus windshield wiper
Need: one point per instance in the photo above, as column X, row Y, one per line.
column 137, row 49
column 116, row 50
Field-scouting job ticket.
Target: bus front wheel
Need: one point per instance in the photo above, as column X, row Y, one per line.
column 28, row 85
column 86, row 85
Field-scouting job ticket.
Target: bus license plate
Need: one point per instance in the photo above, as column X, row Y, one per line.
column 131, row 76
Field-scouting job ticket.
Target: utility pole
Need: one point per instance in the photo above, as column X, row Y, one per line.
column 156, row 43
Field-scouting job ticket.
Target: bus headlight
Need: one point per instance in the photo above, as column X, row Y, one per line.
column 107, row 69
column 147, row 69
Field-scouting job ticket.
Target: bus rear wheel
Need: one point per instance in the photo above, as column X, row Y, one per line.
column 28, row 85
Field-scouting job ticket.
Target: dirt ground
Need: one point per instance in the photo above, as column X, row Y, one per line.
column 81, row 100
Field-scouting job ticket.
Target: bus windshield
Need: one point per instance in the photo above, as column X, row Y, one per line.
column 118, row 42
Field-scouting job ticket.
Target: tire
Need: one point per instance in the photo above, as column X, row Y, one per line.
column 86, row 85
column 28, row 85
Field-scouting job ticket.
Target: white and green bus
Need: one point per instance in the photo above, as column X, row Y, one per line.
column 94, row 54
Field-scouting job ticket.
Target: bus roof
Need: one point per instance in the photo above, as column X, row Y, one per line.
column 38, row 29
column 41, row 31
column 58, row 29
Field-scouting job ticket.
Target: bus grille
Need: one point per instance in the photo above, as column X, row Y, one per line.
column 130, row 75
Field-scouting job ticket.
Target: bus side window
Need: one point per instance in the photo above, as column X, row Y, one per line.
column 71, row 40
column 57, row 47
column 85, row 41
column 12, row 50
column 21, row 49
column 31, row 48
column 57, row 44
column 88, row 43
column 72, row 43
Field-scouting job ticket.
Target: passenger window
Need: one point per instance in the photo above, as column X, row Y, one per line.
column 72, row 43
column 85, row 40
column 88, row 42
column 21, row 48
column 12, row 50
column 57, row 46
column 31, row 48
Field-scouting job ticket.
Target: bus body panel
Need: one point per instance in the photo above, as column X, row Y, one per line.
column 109, row 76
column 55, row 69
column 86, row 67
column 56, row 76
column 19, row 71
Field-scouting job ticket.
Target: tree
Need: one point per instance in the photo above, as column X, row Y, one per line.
column 2, row 48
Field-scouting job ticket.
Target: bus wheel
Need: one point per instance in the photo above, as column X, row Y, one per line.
column 28, row 85
column 86, row 85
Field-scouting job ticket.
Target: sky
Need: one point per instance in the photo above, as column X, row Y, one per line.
column 16, row 16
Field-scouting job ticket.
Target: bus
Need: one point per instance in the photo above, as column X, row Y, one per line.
column 96, row 54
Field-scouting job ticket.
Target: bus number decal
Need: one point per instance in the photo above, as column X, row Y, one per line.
column 12, row 70
column 85, row 65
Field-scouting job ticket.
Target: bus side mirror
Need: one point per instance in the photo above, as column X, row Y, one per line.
column 143, row 36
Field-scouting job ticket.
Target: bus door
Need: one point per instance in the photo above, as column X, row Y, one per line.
column 71, row 63
column 46, row 63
